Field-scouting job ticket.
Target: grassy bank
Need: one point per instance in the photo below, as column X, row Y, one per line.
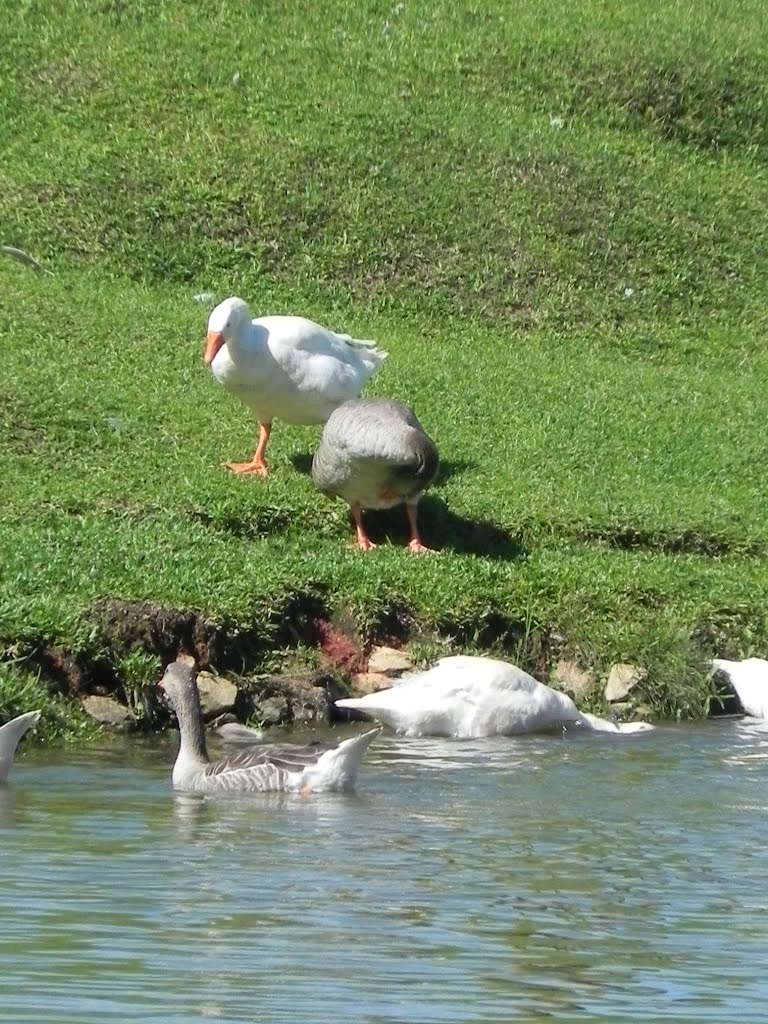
column 553, row 224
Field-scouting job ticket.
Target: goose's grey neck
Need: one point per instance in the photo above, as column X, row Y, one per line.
column 191, row 731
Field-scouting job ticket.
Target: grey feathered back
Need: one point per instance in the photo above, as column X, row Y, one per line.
column 374, row 444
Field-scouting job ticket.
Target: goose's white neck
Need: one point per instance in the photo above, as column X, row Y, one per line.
column 243, row 340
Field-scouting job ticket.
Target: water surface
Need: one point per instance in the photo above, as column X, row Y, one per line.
column 588, row 878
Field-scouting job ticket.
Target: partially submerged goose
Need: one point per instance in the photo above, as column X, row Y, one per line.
column 10, row 734
column 749, row 679
column 374, row 453
column 260, row 769
column 229, row 730
column 469, row 697
column 284, row 367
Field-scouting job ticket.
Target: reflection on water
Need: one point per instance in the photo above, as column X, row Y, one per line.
column 592, row 878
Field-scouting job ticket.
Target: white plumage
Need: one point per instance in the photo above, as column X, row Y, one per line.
column 749, row 679
column 285, row 367
column 10, row 734
column 468, row 697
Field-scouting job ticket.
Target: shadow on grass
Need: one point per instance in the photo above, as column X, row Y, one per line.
column 452, row 467
column 445, row 531
column 260, row 523
column 302, row 462
column 439, row 527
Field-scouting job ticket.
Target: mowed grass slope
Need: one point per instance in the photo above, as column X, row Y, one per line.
column 553, row 222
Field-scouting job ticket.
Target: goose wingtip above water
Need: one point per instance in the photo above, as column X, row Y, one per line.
column 10, row 734
column 268, row 768
column 749, row 679
column 469, row 696
column 284, row 367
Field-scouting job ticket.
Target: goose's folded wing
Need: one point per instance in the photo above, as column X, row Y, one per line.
column 286, row 757
column 293, row 757
column 241, row 774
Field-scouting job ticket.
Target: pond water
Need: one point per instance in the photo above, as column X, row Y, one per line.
column 589, row 878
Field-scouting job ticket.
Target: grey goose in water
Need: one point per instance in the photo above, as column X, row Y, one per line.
column 374, row 453
column 267, row 768
column 227, row 728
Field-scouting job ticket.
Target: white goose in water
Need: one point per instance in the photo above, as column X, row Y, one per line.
column 285, row 367
column 469, row 697
column 749, row 678
column 10, row 734
column 374, row 453
column 289, row 768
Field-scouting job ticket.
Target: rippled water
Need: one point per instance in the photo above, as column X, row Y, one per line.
column 534, row 879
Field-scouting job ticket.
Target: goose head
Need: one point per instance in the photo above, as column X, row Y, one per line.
column 227, row 321
column 179, row 684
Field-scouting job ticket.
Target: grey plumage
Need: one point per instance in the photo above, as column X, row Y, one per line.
column 262, row 769
column 229, row 730
column 374, row 451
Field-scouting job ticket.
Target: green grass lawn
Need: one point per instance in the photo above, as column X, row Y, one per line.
column 554, row 220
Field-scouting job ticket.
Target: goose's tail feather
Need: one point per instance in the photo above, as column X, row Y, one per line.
column 369, row 350
column 338, row 768
column 10, row 734
column 596, row 724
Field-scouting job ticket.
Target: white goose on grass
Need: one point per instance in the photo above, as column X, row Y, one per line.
column 10, row 734
column 284, row 367
column 749, row 678
column 374, row 453
column 269, row 768
column 469, row 697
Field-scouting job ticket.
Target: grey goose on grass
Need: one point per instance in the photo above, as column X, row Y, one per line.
column 374, row 453
column 268, row 768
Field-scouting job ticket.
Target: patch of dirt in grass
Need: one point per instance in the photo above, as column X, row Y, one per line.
column 20, row 435
column 65, row 80
column 261, row 522
column 123, row 626
column 683, row 542
column 702, row 104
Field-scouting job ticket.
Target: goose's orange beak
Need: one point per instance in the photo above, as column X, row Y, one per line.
column 213, row 344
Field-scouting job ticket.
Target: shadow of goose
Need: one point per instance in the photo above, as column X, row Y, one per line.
column 302, row 462
column 445, row 530
column 440, row 528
